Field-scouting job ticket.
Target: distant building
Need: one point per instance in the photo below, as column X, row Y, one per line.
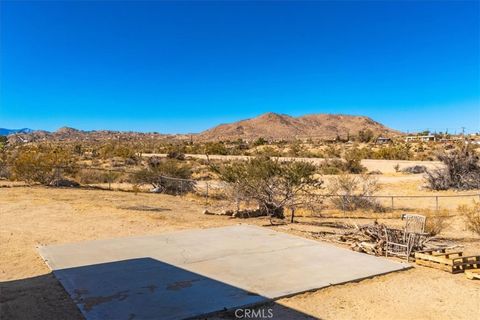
column 427, row 138
column 383, row 140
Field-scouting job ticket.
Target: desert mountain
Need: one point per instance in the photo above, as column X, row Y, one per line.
column 272, row 126
column 6, row 132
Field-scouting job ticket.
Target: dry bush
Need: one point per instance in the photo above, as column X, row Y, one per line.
column 166, row 176
column 436, row 222
column 92, row 176
column 4, row 168
column 355, row 192
column 395, row 152
column 176, row 155
column 461, row 172
column 42, row 164
column 272, row 184
column 414, row 169
column 332, row 167
column 472, row 216
column 353, row 159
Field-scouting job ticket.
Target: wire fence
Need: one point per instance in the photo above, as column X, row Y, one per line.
column 212, row 192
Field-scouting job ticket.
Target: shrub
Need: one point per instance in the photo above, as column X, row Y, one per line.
column 176, row 155
column 436, row 222
column 352, row 164
column 273, row 184
column 353, row 159
column 111, row 150
column 259, row 142
column 215, row 148
column 354, row 192
column 365, row 135
column 166, row 175
column 41, row 164
column 92, row 176
column 472, row 216
column 461, row 172
column 415, row 169
column 332, row 167
column 397, row 152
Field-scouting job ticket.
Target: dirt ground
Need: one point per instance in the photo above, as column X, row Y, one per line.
column 31, row 216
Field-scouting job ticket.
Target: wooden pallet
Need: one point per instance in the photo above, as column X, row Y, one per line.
column 472, row 274
column 450, row 261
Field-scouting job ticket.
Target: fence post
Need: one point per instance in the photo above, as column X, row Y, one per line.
column 109, row 179
column 206, row 196
column 392, row 203
column 57, row 173
column 436, row 203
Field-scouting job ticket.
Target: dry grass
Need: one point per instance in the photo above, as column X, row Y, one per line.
column 472, row 216
column 436, row 221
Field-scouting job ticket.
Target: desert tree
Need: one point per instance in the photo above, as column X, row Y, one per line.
column 272, row 184
column 461, row 170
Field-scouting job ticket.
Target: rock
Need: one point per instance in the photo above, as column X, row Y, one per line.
column 64, row 183
column 415, row 169
column 249, row 213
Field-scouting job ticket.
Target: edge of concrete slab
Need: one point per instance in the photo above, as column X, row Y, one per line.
column 402, row 267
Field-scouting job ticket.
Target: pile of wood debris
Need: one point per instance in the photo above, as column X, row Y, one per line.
column 371, row 238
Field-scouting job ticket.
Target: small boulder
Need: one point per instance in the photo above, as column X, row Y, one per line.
column 65, row 183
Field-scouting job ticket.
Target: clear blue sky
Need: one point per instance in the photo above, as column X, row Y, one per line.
column 185, row 66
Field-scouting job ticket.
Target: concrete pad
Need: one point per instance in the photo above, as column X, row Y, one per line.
column 197, row 272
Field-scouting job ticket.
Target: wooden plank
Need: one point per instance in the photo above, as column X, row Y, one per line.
column 433, row 258
column 474, row 261
column 460, row 267
column 437, row 266
column 452, row 261
column 472, row 274
column 448, row 254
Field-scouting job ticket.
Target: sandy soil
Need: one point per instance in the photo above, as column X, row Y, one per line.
column 38, row 215
column 385, row 166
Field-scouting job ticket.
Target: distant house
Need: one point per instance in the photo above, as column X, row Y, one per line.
column 426, row 138
column 383, row 140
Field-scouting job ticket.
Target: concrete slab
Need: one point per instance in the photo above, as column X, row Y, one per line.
column 197, row 272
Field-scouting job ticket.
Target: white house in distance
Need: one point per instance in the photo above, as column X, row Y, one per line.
column 427, row 138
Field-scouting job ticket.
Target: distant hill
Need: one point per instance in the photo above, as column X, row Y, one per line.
column 270, row 126
column 67, row 134
column 6, row 132
column 273, row 126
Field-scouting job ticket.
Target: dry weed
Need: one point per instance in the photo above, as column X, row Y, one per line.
column 472, row 216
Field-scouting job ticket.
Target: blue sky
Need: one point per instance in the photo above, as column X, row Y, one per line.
column 185, row 66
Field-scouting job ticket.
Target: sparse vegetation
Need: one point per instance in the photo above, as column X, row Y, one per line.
column 40, row 164
column 472, row 216
column 436, row 222
column 415, row 169
column 157, row 172
column 353, row 160
column 272, row 184
column 354, row 192
column 461, row 172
